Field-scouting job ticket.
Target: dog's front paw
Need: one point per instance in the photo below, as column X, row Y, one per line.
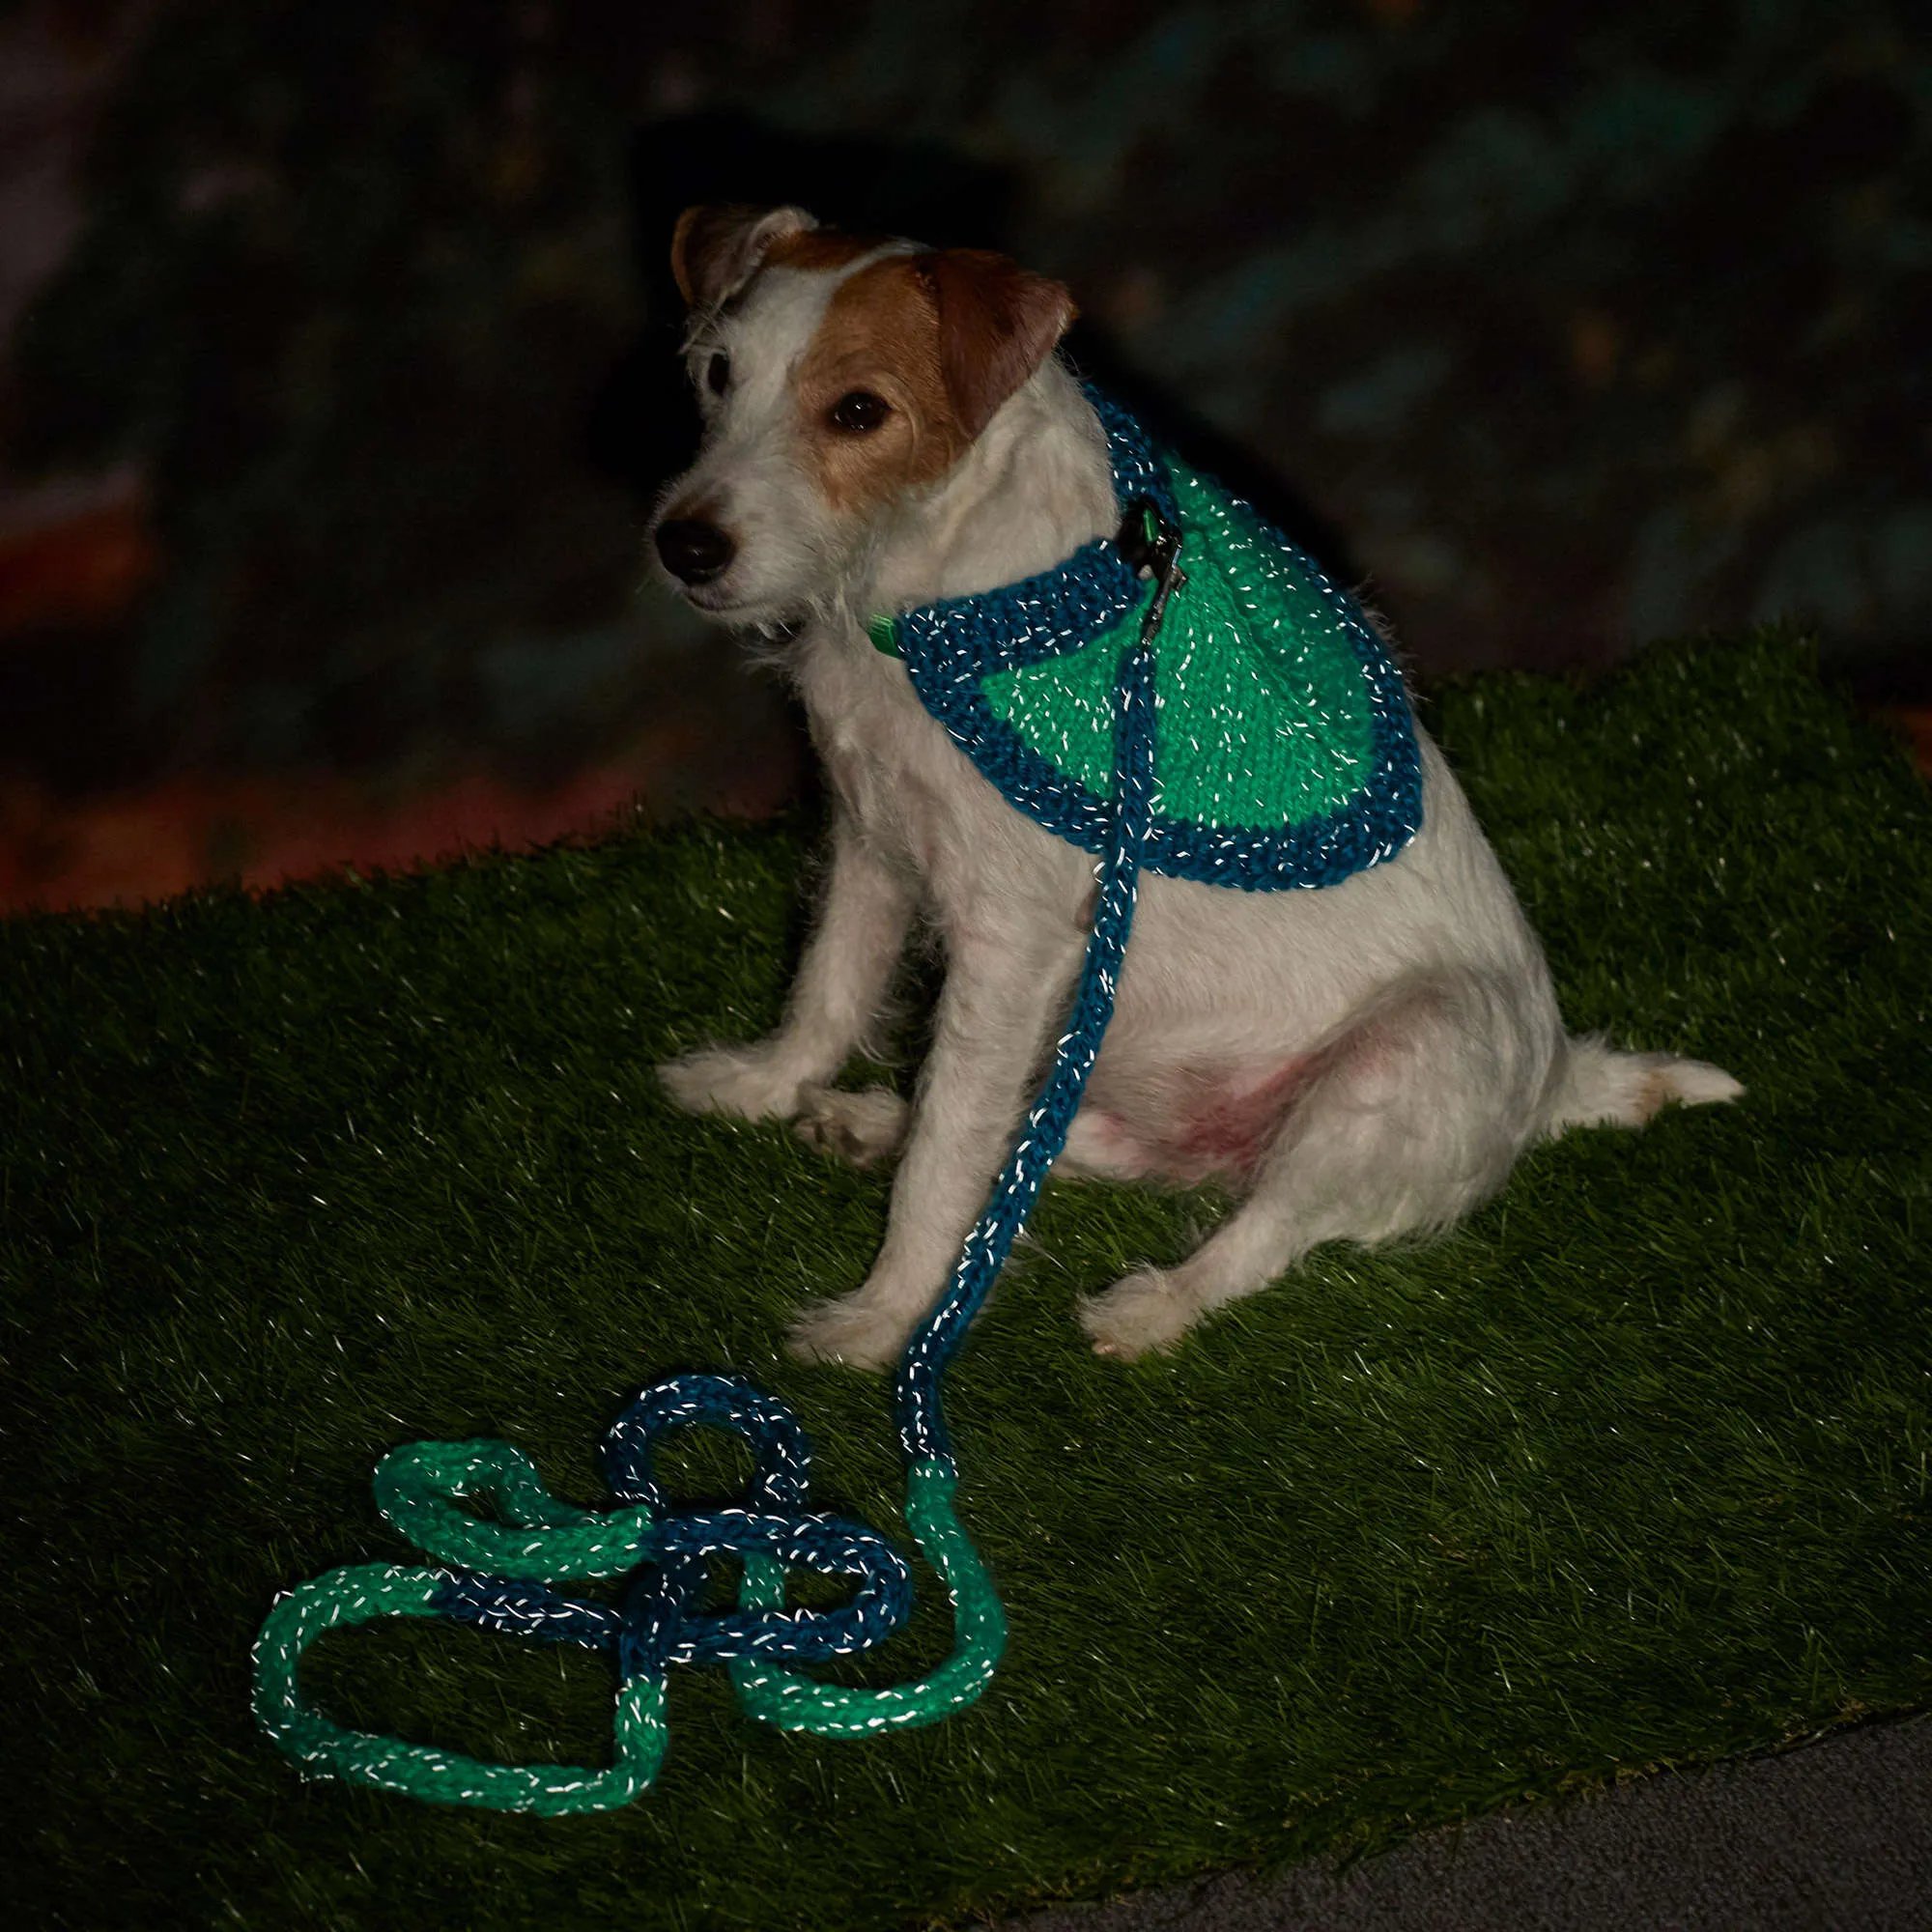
column 850, row 1329
column 1148, row 1310
column 747, row 1081
column 860, row 1127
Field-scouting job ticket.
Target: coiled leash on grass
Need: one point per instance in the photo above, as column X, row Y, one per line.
column 1270, row 650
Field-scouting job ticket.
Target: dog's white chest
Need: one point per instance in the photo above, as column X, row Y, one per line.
column 918, row 799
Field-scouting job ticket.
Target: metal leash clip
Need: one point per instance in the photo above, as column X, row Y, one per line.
column 1151, row 548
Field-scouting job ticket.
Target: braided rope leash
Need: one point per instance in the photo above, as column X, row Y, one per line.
column 501, row 1572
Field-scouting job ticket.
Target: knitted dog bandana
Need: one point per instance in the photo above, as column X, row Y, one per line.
column 1285, row 754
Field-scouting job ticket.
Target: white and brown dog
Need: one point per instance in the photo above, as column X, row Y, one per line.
column 887, row 426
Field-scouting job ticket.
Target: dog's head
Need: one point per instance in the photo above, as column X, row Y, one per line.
column 840, row 378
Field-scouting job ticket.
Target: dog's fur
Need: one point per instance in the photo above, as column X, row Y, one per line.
column 1357, row 1062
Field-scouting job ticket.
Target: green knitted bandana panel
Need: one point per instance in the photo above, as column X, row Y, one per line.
column 1264, row 715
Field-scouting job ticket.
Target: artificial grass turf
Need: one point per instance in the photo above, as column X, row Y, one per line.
column 1628, row 1469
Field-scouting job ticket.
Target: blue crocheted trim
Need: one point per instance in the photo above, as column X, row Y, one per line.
column 951, row 645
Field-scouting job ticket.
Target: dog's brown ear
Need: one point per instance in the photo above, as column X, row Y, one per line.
column 998, row 322
column 717, row 247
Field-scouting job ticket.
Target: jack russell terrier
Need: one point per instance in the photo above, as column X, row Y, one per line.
column 888, row 428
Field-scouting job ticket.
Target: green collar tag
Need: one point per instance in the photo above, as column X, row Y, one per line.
column 884, row 632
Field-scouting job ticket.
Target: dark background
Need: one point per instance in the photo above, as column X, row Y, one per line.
column 337, row 371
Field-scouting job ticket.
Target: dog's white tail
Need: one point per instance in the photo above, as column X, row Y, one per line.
column 1603, row 1087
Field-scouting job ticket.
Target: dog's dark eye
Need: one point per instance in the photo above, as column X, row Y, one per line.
column 718, row 374
column 858, row 412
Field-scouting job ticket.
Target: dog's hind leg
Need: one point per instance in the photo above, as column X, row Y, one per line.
column 1405, row 1121
column 840, row 988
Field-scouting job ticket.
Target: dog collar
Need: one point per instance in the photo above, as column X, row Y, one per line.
column 1286, row 750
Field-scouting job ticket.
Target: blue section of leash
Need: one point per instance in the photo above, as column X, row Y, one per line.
column 921, row 1424
column 660, row 1623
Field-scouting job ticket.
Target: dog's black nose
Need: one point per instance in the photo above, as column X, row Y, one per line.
column 694, row 551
